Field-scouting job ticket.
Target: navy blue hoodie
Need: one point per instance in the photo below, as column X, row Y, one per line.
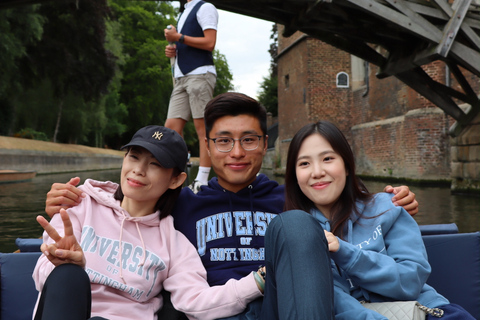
column 228, row 228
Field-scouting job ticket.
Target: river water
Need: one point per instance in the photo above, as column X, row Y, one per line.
column 20, row 203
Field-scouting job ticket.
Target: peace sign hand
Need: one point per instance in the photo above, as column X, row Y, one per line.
column 66, row 249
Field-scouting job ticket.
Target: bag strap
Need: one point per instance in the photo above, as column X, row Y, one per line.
column 436, row 312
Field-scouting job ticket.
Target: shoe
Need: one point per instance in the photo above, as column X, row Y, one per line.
column 195, row 186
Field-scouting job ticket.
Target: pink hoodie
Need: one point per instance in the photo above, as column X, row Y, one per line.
column 154, row 256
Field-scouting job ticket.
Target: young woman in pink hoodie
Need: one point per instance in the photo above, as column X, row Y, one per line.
column 110, row 256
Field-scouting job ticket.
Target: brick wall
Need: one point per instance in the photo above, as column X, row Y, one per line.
column 393, row 130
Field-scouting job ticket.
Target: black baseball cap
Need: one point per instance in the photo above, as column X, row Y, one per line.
column 166, row 145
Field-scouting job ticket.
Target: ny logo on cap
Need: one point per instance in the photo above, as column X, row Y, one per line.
column 157, row 135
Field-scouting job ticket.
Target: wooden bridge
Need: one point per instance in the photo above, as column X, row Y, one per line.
column 411, row 33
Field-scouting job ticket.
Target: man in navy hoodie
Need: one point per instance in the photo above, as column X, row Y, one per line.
column 226, row 220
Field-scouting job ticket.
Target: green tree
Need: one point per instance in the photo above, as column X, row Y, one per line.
column 224, row 75
column 268, row 92
column 19, row 27
column 146, row 74
column 71, row 55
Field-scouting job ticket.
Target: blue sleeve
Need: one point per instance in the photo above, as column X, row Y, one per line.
column 347, row 307
column 400, row 268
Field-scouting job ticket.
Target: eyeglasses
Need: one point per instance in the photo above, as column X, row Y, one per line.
column 248, row 143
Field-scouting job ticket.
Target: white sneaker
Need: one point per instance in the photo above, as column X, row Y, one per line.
column 195, row 186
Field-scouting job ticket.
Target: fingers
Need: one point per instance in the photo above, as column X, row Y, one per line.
column 67, row 224
column 49, row 229
column 170, row 51
column 412, row 208
column 74, row 181
column 75, row 256
column 400, row 192
column 388, row 189
column 63, row 196
column 61, row 256
column 332, row 240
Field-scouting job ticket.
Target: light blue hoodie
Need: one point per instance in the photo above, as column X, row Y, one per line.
column 382, row 259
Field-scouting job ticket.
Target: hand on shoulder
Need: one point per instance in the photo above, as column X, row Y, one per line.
column 63, row 196
column 403, row 197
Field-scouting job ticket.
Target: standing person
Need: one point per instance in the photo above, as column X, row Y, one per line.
column 118, row 248
column 194, row 74
column 377, row 249
column 227, row 220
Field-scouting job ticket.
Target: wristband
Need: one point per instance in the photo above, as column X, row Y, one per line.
column 259, row 281
column 182, row 38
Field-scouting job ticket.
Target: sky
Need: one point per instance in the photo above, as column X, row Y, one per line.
column 245, row 42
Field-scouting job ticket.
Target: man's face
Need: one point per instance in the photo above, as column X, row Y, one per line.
column 237, row 168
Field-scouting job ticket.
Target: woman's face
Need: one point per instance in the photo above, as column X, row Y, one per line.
column 143, row 179
column 321, row 172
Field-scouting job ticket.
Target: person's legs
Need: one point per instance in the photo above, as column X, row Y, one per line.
column 65, row 295
column 168, row 311
column 299, row 282
column 176, row 124
column 179, row 107
column 200, row 91
column 200, row 128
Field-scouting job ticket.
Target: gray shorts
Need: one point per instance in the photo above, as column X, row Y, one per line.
column 190, row 95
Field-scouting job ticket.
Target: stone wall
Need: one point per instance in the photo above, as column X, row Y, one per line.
column 466, row 159
column 47, row 157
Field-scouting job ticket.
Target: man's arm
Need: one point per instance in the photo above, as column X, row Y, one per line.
column 404, row 198
column 207, row 42
column 63, row 196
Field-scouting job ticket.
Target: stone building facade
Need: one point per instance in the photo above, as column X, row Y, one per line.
column 394, row 131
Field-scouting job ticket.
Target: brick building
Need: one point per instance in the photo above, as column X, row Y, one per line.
column 393, row 130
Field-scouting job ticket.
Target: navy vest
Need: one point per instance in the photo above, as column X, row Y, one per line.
column 190, row 58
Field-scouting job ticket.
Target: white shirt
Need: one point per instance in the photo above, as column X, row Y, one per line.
column 207, row 17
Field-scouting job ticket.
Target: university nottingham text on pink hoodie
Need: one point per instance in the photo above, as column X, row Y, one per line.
column 131, row 259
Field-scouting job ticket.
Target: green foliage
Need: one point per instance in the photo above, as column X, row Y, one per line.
column 146, row 74
column 29, row 133
column 87, row 72
column 268, row 92
column 19, row 28
column 224, row 75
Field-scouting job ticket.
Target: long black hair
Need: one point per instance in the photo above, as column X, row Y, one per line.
column 354, row 189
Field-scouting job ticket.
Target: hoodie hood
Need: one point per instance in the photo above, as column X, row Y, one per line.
column 103, row 192
column 261, row 186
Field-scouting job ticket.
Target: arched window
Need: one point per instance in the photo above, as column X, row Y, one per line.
column 342, row 80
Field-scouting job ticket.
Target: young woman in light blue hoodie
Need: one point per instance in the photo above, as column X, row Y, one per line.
column 376, row 247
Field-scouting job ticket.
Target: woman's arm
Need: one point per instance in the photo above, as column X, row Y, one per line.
column 191, row 292
column 392, row 262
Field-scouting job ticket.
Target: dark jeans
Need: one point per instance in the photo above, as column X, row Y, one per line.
column 66, row 295
column 299, row 281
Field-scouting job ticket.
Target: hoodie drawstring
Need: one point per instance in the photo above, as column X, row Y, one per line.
column 250, row 192
column 120, row 245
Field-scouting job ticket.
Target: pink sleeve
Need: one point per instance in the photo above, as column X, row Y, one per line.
column 191, row 292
